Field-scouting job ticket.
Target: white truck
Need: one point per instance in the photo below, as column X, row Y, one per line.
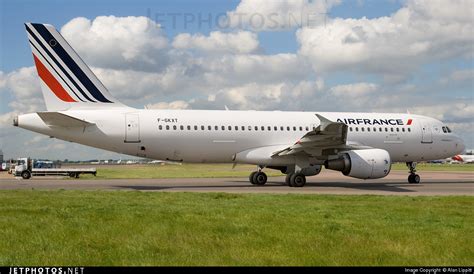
column 25, row 167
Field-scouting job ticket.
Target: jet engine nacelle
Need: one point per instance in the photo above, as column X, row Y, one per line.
column 362, row 164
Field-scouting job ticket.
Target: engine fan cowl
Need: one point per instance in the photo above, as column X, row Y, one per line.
column 362, row 164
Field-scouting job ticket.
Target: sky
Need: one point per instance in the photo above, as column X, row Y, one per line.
column 299, row 55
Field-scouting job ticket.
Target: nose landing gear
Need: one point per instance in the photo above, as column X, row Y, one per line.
column 413, row 178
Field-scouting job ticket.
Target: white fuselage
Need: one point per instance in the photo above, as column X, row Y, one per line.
column 217, row 136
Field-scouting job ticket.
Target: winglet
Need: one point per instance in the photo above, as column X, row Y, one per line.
column 324, row 121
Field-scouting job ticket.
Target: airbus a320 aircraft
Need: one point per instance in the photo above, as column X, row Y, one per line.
column 360, row 145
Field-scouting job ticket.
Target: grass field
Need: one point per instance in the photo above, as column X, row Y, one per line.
column 143, row 228
column 224, row 170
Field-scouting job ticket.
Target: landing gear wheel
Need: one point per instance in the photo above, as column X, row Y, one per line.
column 287, row 179
column 297, row 180
column 26, row 175
column 252, row 177
column 260, row 178
column 414, row 179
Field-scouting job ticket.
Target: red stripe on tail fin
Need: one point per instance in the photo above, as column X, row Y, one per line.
column 51, row 82
column 409, row 122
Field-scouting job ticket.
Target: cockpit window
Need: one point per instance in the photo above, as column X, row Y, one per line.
column 446, row 129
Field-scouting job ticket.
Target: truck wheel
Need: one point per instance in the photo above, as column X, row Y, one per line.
column 26, row 175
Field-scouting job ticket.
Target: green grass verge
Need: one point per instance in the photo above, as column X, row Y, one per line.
column 149, row 228
column 224, row 170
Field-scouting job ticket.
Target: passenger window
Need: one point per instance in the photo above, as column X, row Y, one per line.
column 174, row 127
column 368, row 129
column 243, row 128
column 195, row 127
column 398, row 130
column 357, row 129
column 350, row 128
column 216, row 127
column 236, row 127
column 160, row 127
column 223, row 127
column 361, row 129
column 250, row 128
column 269, row 128
column 209, row 128
column 229, row 127
column 288, row 128
column 307, row 128
column 386, row 129
column 380, row 129
column 403, row 129
column 409, row 129
column 301, row 128
column 375, row 129
column 167, row 127
column 263, row 128
column 202, row 127
column 294, row 128
column 391, row 129
column 275, row 128
column 256, row 128
column 189, row 127
column 181, row 127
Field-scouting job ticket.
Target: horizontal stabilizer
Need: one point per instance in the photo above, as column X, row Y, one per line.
column 62, row 120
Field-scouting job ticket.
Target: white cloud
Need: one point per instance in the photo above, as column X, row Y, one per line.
column 462, row 75
column 218, row 42
column 354, row 90
column 279, row 15
column 420, row 32
column 118, row 42
column 253, row 96
column 24, row 85
column 3, row 80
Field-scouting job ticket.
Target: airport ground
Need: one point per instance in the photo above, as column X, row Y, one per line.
column 170, row 221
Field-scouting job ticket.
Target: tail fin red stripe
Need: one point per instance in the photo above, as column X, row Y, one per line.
column 51, row 82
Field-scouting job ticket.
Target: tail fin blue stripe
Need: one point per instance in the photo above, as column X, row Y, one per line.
column 71, row 64
column 58, row 64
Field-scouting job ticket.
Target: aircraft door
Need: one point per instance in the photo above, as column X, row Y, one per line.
column 426, row 134
column 132, row 128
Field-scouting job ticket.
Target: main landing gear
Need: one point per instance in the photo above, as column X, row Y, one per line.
column 413, row 178
column 295, row 180
column 292, row 179
column 258, row 177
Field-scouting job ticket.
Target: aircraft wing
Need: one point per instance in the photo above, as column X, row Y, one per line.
column 326, row 139
column 62, row 120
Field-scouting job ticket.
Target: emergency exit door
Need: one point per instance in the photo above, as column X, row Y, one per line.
column 132, row 128
column 426, row 134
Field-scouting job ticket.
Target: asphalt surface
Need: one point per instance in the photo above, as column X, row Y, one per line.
column 328, row 182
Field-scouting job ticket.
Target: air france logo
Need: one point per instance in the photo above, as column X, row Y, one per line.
column 373, row 122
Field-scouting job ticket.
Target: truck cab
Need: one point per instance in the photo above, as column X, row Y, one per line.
column 23, row 168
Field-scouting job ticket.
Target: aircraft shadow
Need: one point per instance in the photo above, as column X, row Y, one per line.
column 388, row 187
